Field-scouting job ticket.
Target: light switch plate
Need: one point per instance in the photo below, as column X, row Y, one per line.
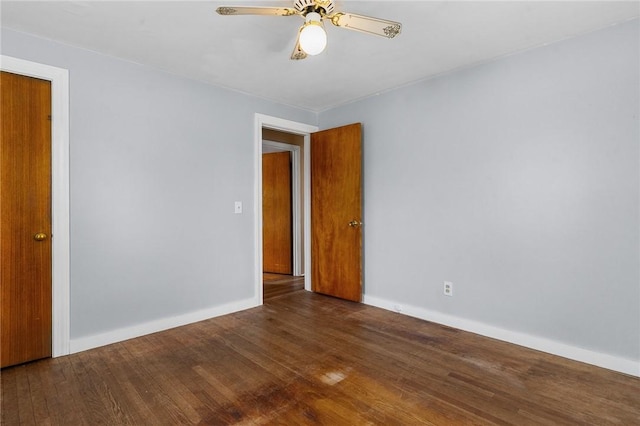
column 238, row 207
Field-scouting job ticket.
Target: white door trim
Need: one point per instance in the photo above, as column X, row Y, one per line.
column 59, row 79
column 288, row 126
column 296, row 221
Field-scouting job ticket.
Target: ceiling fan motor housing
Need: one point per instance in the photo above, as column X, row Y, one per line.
column 322, row 7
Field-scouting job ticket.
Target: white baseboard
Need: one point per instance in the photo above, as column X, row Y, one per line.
column 611, row 362
column 114, row 336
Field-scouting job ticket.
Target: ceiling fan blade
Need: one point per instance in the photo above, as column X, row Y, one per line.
column 367, row 24
column 298, row 53
column 269, row 11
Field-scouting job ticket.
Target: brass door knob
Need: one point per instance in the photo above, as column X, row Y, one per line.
column 355, row 223
column 40, row 236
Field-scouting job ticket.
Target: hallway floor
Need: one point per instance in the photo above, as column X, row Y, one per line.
column 276, row 285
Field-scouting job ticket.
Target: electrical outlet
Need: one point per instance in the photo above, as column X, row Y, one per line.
column 448, row 288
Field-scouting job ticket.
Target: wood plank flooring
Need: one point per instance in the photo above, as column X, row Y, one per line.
column 307, row 359
column 276, row 285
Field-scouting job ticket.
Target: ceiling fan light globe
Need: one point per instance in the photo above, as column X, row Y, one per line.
column 313, row 38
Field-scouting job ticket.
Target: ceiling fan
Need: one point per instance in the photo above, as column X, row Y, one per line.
column 312, row 39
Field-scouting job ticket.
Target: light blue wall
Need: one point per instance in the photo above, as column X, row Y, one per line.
column 156, row 164
column 518, row 181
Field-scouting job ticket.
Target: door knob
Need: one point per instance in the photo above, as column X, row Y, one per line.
column 40, row 236
column 355, row 223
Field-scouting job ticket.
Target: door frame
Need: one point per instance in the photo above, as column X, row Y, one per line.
column 296, row 220
column 305, row 130
column 60, row 258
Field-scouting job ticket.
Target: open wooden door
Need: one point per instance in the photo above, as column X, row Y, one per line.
column 277, row 239
column 336, row 212
column 25, row 234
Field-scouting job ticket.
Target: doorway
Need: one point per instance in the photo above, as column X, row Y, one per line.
column 59, row 79
column 25, row 187
column 289, row 145
column 282, row 212
column 266, row 124
column 337, row 181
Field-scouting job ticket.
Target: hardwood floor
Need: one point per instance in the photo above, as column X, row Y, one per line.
column 304, row 358
column 276, row 285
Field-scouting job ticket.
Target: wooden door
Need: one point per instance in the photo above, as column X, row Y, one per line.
column 25, row 233
column 336, row 212
column 277, row 238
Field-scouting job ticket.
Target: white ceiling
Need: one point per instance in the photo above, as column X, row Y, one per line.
column 251, row 53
